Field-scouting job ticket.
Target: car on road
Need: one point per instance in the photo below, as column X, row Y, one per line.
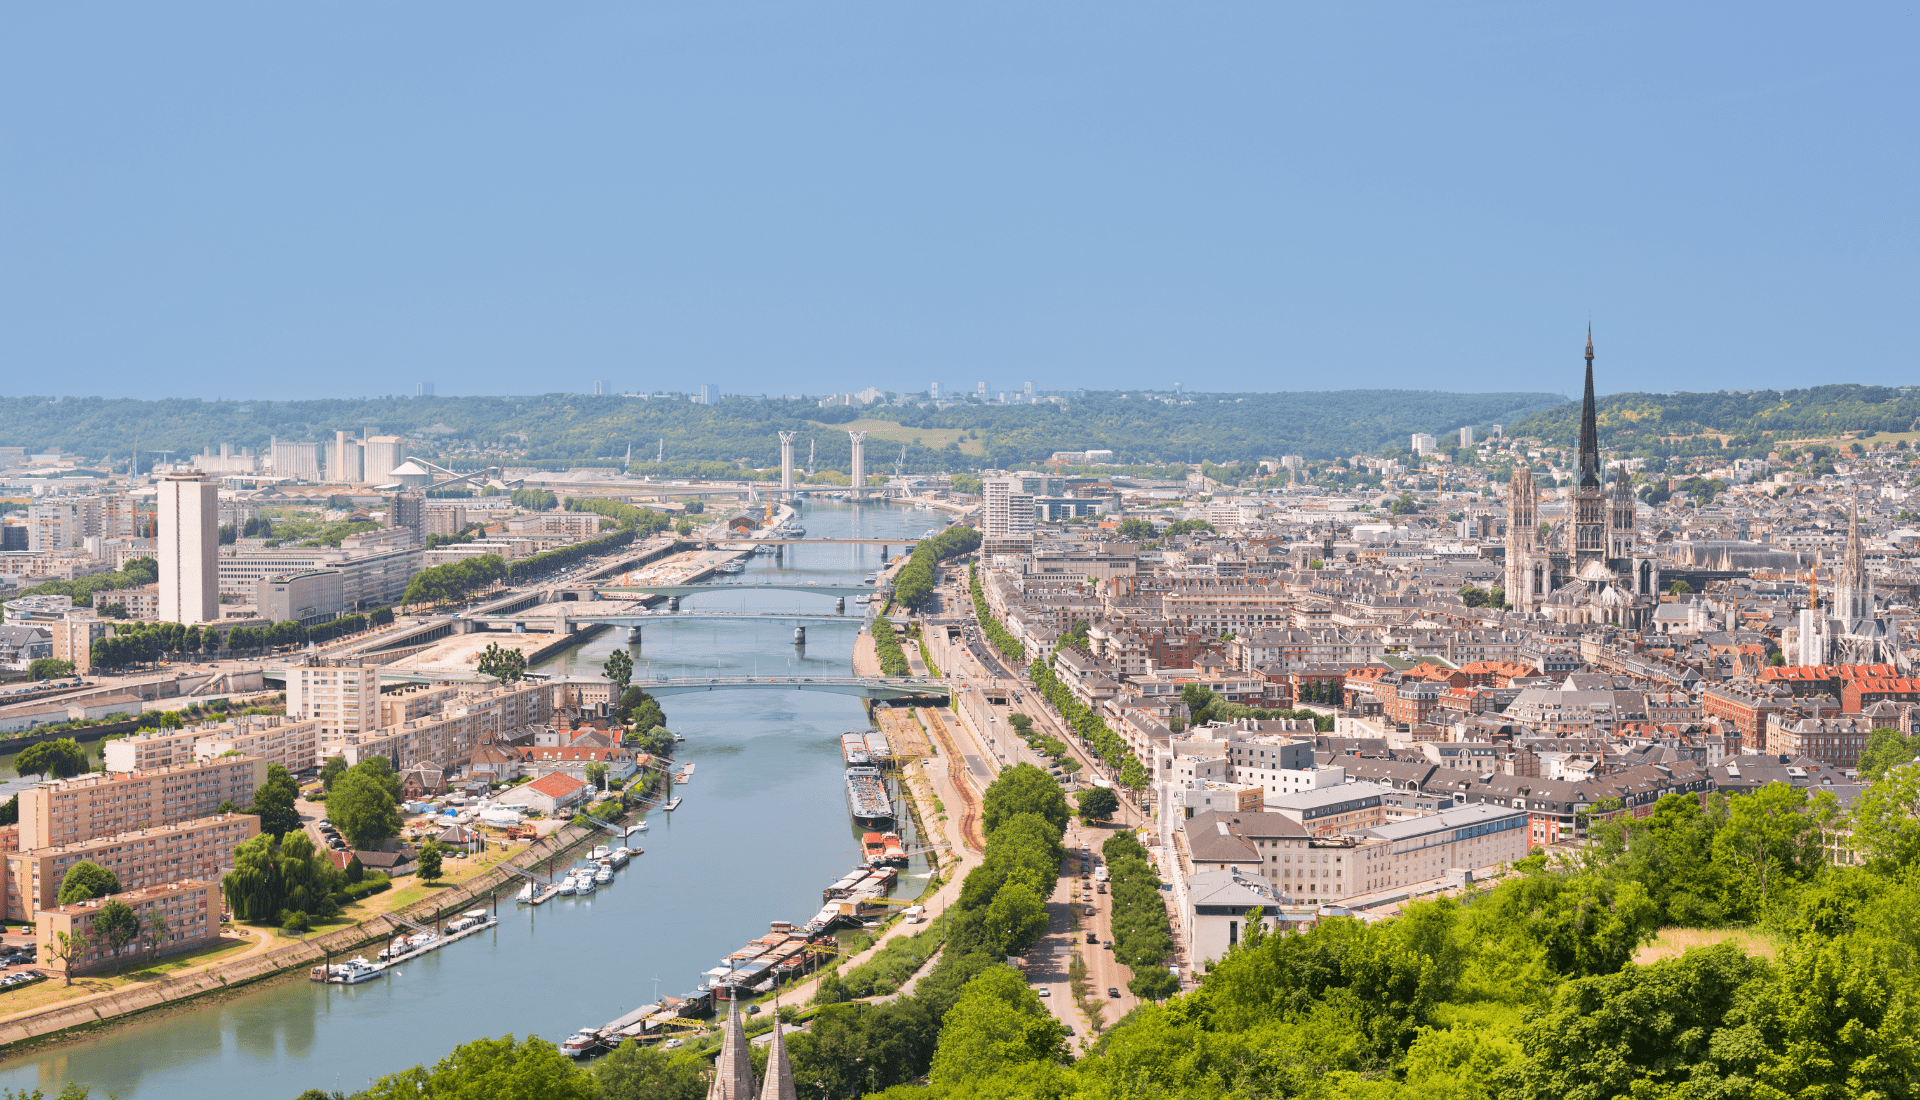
column 1091, row 938
column 1108, row 944
column 1042, row 991
column 1114, row 992
column 1088, row 911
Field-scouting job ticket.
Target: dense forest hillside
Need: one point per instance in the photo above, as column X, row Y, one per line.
column 1631, row 419
column 560, row 428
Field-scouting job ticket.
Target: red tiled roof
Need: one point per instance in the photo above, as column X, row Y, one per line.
column 556, row 784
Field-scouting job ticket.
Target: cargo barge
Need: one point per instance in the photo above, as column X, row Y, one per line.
column 867, row 798
column 853, row 749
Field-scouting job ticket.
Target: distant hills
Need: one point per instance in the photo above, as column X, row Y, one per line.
column 1145, row 429
column 1632, row 421
column 561, row 428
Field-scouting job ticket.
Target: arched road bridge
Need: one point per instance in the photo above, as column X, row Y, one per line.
column 864, row 687
column 698, row 589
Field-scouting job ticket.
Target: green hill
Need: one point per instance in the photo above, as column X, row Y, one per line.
column 1631, row 420
column 566, row 428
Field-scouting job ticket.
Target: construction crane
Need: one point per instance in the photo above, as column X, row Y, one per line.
column 900, row 464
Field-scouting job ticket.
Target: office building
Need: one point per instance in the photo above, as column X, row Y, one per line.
column 1466, row 437
column 383, row 454
column 309, row 597
column 189, row 541
column 1424, row 444
column 423, row 389
column 706, row 394
column 371, row 576
column 935, row 392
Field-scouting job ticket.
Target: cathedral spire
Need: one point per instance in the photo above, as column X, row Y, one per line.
column 779, row 1081
column 733, row 1070
column 1589, row 433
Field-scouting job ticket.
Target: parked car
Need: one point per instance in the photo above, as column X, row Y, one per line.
column 1114, row 992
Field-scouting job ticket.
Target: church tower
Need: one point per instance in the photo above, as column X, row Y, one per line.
column 1853, row 587
column 1621, row 521
column 1526, row 564
column 1589, row 495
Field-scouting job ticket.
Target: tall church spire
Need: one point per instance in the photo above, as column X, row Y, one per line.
column 1589, row 433
column 779, row 1081
column 733, row 1070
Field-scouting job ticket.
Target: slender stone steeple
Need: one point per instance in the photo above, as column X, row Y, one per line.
column 779, row 1082
column 1589, row 433
column 1589, row 496
column 733, row 1070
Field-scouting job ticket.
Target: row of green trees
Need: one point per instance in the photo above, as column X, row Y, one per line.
column 1003, row 641
column 893, row 662
column 645, row 521
column 135, row 643
column 539, row 565
column 534, row 500
column 456, row 580
column 1089, row 726
column 1142, row 935
column 1052, row 747
column 913, row 585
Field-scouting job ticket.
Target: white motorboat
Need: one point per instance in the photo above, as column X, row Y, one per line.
column 526, row 892
column 604, row 875
column 621, row 856
column 583, row 884
column 356, row 970
column 599, row 853
column 566, row 887
column 581, row 1044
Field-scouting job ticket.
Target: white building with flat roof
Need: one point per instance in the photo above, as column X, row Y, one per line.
column 189, row 542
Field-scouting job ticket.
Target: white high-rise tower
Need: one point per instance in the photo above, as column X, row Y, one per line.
column 786, row 465
column 859, row 464
column 189, row 543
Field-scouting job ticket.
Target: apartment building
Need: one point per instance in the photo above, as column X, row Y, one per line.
column 1333, row 811
column 1422, row 849
column 292, row 743
column 68, row 811
column 190, row 908
column 343, row 695
column 201, row 848
column 150, row 749
column 1219, row 609
column 441, row 727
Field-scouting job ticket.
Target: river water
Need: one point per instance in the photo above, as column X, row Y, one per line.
column 763, row 829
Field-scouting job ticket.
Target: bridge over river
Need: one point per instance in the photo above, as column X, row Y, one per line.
column 863, row 687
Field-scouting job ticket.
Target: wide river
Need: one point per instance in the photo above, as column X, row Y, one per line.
column 763, row 830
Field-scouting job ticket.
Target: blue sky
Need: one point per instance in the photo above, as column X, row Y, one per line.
column 344, row 199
